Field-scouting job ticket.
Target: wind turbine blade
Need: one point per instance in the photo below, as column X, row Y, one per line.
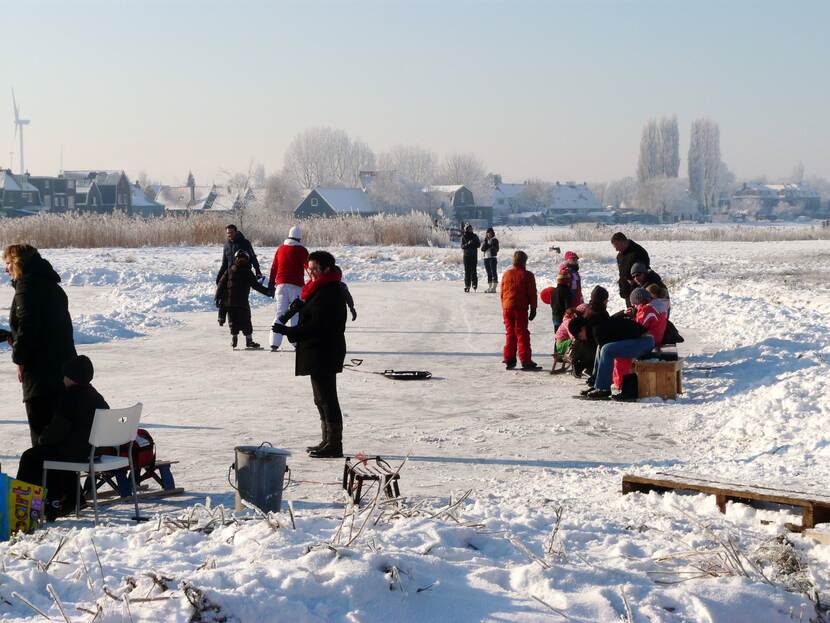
column 16, row 109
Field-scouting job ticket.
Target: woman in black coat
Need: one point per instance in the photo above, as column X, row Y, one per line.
column 321, row 347
column 41, row 329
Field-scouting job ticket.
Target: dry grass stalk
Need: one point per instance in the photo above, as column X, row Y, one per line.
column 54, row 594
column 31, row 605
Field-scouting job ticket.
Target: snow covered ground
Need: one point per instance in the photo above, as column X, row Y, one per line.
column 756, row 317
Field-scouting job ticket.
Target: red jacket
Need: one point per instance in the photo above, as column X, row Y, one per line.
column 654, row 322
column 518, row 289
column 289, row 264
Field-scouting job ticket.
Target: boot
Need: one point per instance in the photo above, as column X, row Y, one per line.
column 324, row 429
column 333, row 448
column 249, row 342
column 234, row 339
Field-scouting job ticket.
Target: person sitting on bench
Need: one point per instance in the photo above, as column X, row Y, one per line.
column 66, row 437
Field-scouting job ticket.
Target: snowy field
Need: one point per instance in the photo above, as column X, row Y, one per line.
column 543, row 533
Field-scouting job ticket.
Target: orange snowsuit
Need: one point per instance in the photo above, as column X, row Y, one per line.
column 518, row 293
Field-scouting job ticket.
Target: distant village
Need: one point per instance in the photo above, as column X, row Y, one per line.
column 526, row 203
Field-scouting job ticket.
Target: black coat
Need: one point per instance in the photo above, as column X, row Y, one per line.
column 68, row 432
column 41, row 328
column 606, row 329
column 625, row 260
column 239, row 243
column 653, row 278
column 319, row 334
column 470, row 244
column 234, row 287
column 491, row 245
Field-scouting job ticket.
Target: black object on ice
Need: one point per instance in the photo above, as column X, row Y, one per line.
column 373, row 469
column 395, row 375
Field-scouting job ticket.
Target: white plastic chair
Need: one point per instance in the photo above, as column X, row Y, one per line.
column 111, row 427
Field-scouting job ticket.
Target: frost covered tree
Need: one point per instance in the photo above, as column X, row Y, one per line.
column 669, row 147
column 281, row 194
column 659, row 150
column 326, row 156
column 259, row 177
column 622, row 192
column 649, row 165
column 705, row 164
column 412, row 162
column 468, row 170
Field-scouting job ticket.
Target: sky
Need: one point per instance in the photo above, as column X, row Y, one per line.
column 551, row 90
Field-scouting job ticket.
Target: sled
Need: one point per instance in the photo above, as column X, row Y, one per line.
column 120, row 487
column 814, row 508
column 395, row 375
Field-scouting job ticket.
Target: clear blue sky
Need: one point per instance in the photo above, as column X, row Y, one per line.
column 557, row 90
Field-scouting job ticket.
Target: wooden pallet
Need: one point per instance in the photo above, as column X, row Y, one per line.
column 814, row 508
column 659, row 378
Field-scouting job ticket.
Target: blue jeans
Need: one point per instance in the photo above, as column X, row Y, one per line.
column 604, row 363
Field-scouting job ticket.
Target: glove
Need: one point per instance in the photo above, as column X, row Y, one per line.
column 532, row 314
column 279, row 328
column 354, row 314
column 221, row 322
column 272, row 291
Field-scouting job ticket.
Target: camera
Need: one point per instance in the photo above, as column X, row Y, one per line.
column 294, row 308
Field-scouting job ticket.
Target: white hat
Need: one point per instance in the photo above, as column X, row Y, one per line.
column 295, row 233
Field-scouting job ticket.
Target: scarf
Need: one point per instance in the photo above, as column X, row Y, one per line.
column 312, row 286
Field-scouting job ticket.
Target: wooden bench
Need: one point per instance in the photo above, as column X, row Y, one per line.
column 658, row 378
column 814, row 508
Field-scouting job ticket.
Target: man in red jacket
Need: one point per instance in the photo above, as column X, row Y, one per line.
column 518, row 293
column 288, row 273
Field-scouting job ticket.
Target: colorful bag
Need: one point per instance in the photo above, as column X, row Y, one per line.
column 21, row 505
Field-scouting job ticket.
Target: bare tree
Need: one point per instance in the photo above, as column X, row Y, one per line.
column 259, row 177
column 326, row 156
column 705, row 164
column 281, row 194
column 619, row 193
column 411, row 162
column 468, row 170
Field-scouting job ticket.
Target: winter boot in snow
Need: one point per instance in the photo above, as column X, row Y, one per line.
column 233, row 341
column 467, row 289
column 325, row 431
column 333, row 448
column 509, row 364
column 531, row 365
column 250, row 344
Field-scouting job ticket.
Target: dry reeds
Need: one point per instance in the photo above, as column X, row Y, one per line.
column 114, row 230
column 596, row 232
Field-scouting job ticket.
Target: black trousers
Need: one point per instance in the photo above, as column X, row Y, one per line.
column 58, row 484
column 470, row 271
column 39, row 412
column 490, row 267
column 239, row 319
column 324, row 387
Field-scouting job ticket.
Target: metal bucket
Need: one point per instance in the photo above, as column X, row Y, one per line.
column 259, row 473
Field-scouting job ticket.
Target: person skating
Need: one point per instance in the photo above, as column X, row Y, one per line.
column 287, row 273
column 232, row 294
column 234, row 242
column 41, row 332
column 490, row 249
column 321, row 347
column 469, row 246
column 628, row 254
column 66, row 437
column 568, row 291
column 518, row 295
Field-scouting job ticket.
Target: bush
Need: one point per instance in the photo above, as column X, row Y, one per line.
column 726, row 233
column 114, row 230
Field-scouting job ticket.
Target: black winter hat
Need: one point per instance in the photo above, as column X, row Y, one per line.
column 599, row 295
column 576, row 324
column 79, row 369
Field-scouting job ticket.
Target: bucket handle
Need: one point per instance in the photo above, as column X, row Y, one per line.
column 235, row 488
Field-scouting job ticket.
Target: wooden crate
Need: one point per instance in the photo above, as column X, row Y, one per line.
column 815, row 507
column 658, row 378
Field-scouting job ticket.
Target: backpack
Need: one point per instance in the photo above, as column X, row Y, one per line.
column 144, row 450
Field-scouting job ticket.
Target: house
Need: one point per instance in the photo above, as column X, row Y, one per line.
column 569, row 202
column 194, row 199
column 144, row 206
column 506, row 199
column 88, row 197
column 330, row 201
column 765, row 200
column 56, row 193
column 457, row 203
column 113, row 187
column 17, row 196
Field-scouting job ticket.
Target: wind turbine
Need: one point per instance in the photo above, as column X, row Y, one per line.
column 18, row 125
